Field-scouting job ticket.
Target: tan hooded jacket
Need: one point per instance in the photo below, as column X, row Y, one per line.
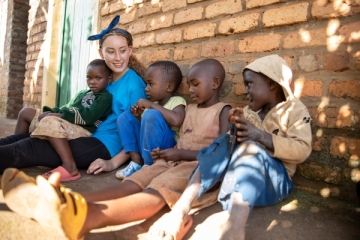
column 289, row 121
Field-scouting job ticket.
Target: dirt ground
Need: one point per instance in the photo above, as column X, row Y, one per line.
column 301, row 216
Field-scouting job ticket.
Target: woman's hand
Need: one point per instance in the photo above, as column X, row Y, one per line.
column 100, row 165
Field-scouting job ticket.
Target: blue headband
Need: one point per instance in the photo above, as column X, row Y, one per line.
column 113, row 24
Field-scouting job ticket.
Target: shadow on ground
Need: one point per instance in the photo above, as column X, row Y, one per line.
column 301, row 216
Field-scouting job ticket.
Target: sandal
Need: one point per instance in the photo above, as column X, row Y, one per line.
column 55, row 207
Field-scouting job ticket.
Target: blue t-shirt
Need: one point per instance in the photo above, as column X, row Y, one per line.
column 126, row 91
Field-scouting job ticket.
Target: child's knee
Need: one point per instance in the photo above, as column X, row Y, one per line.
column 125, row 116
column 151, row 114
column 248, row 148
column 27, row 113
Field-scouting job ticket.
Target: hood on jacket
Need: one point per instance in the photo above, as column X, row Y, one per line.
column 274, row 67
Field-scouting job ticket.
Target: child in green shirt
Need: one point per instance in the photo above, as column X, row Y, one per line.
column 78, row 118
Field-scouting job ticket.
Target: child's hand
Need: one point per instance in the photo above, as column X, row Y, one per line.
column 170, row 154
column 144, row 103
column 100, row 165
column 44, row 114
column 234, row 113
column 246, row 130
column 136, row 111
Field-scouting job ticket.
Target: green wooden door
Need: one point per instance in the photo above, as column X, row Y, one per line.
column 76, row 50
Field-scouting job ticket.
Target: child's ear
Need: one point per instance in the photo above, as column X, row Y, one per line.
column 216, row 83
column 110, row 78
column 272, row 84
column 170, row 87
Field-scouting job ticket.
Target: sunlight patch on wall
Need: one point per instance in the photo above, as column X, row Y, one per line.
column 305, row 35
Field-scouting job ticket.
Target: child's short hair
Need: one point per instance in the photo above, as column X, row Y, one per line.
column 170, row 71
column 100, row 62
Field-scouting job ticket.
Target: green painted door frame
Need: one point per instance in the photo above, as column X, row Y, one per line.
column 78, row 24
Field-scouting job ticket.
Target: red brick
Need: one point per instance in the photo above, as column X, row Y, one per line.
column 148, row 8
column 117, row 6
column 137, row 27
column 168, row 5
column 336, row 61
column 286, row 15
column 188, row 15
column 162, row 21
column 140, row 55
column 260, row 43
column 305, row 38
column 239, row 24
column 217, row 49
column 317, row 144
column 128, row 16
column 332, row 9
column 158, row 55
column 194, row 1
column 345, row 89
column 288, row 60
column 223, row 7
column 323, row 172
column 173, row 36
column 183, row 88
column 334, row 117
column 186, row 53
column 199, row 31
column 308, row 63
column 145, row 40
column 239, row 89
column 259, row 3
column 345, row 147
column 350, row 32
column 306, row 88
column 235, row 68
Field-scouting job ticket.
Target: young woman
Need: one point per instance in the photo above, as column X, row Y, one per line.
column 115, row 47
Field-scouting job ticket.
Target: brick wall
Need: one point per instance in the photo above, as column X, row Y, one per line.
column 319, row 39
column 34, row 58
column 12, row 65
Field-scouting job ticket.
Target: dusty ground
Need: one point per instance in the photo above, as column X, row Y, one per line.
column 301, row 216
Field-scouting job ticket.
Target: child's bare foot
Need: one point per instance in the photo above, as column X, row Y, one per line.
column 71, row 168
column 171, row 226
column 234, row 227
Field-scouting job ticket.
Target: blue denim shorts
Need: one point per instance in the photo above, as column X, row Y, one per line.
column 261, row 179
